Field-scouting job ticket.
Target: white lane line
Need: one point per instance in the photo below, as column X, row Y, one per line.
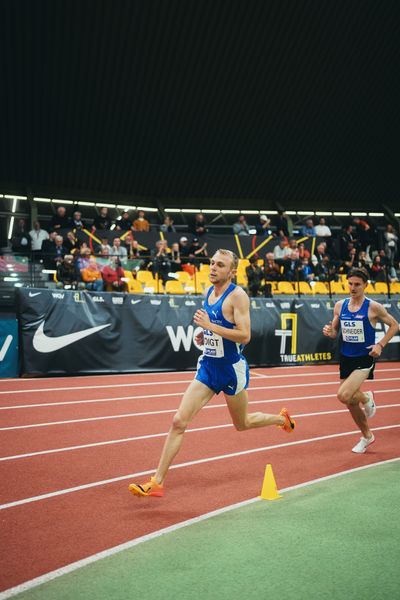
column 169, row 410
column 191, row 463
column 250, row 389
column 158, row 383
column 159, row 435
column 148, row 396
column 32, row 583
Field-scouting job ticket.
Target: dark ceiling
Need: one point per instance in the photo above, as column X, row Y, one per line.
column 287, row 101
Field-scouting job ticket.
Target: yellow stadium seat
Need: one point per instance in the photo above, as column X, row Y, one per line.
column 134, row 286
column 183, row 276
column 145, row 277
column 381, row 287
column 303, row 287
column 370, row 289
column 243, row 263
column 204, row 267
column 285, row 287
column 395, row 287
column 338, row 288
column 319, row 287
column 241, row 278
column 174, row 287
column 192, row 288
column 201, row 277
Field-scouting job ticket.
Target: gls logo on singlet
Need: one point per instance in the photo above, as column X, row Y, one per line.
column 183, row 337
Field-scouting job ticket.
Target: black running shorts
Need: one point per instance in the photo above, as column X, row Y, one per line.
column 348, row 364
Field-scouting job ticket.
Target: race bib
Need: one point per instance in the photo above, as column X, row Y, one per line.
column 213, row 345
column 352, row 331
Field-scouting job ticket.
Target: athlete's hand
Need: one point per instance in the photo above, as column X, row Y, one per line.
column 202, row 319
column 328, row 329
column 199, row 338
column 376, row 350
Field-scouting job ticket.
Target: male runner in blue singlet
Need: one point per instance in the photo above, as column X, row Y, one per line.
column 225, row 320
column 356, row 318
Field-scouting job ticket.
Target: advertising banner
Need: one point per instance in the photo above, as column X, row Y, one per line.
column 67, row 332
column 9, row 348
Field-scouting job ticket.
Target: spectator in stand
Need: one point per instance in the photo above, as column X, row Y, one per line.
column 262, row 228
column 199, row 227
column 272, row 270
column 391, row 243
column 38, row 236
column 350, row 257
column 21, row 240
column 118, row 250
column 363, row 261
column 60, row 220
column 68, row 275
column 308, row 230
column 104, row 248
column 282, row 251
column 71, row 243
column 303, row 252
column 168, row 225
column 255, row 277
column 378, row 271
column 124, row 223
column 113, row 276
column 281, row 224
column 82, row 260
column 161, row 261
column 91, row 276
column 141, row 223
column 48, row 247
column 133, row 248
column 175, row 258
column 184, row 250
column 241, row 227
column 320, row 253
column 346, row 237
column 363, row 232
column 292, row 245
column 102, row 221
column 198, row 253
column 76, row 221
column 292, row 267
column 323, row 269
column 307, row 270
column 322, row 229
column 385, row 262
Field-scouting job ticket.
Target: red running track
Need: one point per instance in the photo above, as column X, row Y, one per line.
column 63, row 440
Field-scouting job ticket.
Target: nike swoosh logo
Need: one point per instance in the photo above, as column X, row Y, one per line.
column 135, row 301
column 43, row 343
column 298, row 305
column 31, row 295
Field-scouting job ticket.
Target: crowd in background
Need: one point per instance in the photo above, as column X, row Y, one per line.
column 80, row 264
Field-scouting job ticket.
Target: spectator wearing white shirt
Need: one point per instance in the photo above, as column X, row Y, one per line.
column 322, row 229
column 118, row 250
column 282, row 251
column 38, row 236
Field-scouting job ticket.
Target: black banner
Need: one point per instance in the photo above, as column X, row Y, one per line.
column 66, row 332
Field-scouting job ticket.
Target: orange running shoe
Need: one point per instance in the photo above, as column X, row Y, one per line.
column 150, row 488
column 289, row 423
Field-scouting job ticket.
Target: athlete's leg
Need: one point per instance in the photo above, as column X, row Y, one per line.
column 349, row 393
column 238, row 408
column 196, row 396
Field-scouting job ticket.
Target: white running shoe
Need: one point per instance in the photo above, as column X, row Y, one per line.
column 363, row 444
column 370, row 406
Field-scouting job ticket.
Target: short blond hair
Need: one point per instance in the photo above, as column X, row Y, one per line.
column 232, row 256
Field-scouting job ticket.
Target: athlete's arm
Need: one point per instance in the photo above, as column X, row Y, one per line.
column 379, row 313
column 331, row 329
column 241, row 315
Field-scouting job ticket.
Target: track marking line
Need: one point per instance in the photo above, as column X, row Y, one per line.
column 164, row 434
column 148, row 396
column 165, row 411
column 191, row 463
column 47, row 577
column 161, row 383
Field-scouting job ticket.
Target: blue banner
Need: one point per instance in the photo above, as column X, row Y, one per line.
column 9, row 348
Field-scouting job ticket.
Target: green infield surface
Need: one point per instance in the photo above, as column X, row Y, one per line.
column 337, row 538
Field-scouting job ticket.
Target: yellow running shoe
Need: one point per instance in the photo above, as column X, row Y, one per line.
column 289, row 423
column 150, row 488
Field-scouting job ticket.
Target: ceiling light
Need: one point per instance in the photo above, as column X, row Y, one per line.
column 341, row 214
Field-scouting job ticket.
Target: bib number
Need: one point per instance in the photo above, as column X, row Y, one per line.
column 353, row 331
column 213, row 345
